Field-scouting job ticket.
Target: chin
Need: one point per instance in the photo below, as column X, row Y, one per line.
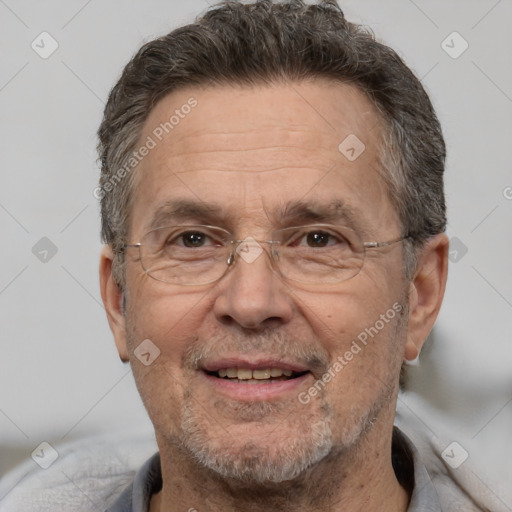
column 272, row 449
column 258, row 459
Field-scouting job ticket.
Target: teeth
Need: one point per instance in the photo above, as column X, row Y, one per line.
column 261, row 374
column 244, row 374
column 247, row 374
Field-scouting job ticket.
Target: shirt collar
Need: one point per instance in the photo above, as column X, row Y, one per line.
column 424, row 497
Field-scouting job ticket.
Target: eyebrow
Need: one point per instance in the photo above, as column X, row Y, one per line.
column 331, row 212
column 290, row 214
column 184, row 210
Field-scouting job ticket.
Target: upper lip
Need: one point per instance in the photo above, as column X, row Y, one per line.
column 252, row 364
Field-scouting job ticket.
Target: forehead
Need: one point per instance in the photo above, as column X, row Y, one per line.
column 255, row 148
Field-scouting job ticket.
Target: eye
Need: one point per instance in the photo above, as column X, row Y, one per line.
column 192, row 239
column 185, row 240
column 319, row 239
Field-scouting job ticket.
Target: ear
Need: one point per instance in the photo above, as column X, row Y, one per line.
column 426, row 292
column 112, row 297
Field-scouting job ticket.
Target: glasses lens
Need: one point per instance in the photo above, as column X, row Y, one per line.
column 185, row 254
column 320, row 254
column 195, row 255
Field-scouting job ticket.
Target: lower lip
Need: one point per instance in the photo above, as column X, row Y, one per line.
column 255, row 391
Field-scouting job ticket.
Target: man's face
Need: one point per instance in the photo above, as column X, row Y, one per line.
column 249, row 154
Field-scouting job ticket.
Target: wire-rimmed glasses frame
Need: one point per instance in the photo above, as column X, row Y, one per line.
column 164, row 255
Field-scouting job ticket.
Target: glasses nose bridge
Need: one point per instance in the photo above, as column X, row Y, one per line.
column 253, row 250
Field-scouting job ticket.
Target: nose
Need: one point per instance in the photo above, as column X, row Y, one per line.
column 251, row 294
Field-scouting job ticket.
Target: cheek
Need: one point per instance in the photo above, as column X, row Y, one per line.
column 167, row 317
column 364, row 353
column 171, row 323
column 359, row 333
column 165, row 324
column 338, row 315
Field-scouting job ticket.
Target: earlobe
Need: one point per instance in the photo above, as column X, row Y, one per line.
column 426, row 293
column 113, row 301
column 412, row 349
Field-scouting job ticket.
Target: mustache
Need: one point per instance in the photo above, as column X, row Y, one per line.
column 275, row 344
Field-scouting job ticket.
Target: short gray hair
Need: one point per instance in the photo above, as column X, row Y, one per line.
column 267, row 42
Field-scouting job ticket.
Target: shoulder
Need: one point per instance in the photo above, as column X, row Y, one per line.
column 457, row 490
column 88, row 475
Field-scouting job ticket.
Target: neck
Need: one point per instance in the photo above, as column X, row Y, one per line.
column 362, row 479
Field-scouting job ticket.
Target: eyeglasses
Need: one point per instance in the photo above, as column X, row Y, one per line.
column 198, row 255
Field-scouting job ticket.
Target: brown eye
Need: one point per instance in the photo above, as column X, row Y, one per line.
column 193, row 239
column 318, row 239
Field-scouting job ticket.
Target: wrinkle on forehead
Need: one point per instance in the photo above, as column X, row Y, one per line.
column 262, row 128
column 289, row 137
column 241, row 154
column 253, row 148
column 313, row 115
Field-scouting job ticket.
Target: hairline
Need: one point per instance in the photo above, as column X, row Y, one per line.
column 384, row 162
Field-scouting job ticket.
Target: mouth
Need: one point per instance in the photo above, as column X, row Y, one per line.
column 248, row 381
column 255, row 376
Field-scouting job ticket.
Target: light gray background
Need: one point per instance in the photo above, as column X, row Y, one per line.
column 60, row 376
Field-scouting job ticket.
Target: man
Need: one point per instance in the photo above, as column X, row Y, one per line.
column 273, row 211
